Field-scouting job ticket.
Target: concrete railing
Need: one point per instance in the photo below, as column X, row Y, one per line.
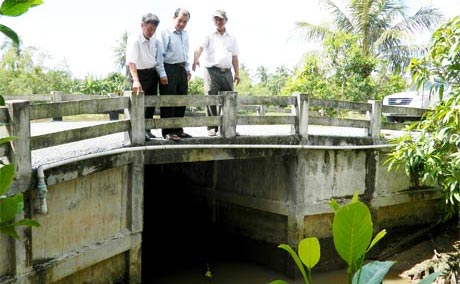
column 16, row 117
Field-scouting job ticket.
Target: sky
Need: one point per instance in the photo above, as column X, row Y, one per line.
column 83, row 33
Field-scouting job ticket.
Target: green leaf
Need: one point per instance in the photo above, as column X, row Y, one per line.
column 27, row 223
column 296, row 259
column 355, row 197
column 309, row 252
column 9, row 230
column 15, row 8
column 9, row 207
column 6, row 178
column 377, row 238
column 430, row 278
column 373, row 273
column 278, row 282
column 334, row 205
column 6, row 140
column 352, row 231
column 15, row 38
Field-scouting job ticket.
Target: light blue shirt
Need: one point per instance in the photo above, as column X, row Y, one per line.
column 175, row 47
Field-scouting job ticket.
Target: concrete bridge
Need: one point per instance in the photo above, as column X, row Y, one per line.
column 100, row 212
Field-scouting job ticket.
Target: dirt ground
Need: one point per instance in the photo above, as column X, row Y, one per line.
column 438, row 247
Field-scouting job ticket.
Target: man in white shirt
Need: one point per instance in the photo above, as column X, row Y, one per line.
column 144, row 58
column 221, row 54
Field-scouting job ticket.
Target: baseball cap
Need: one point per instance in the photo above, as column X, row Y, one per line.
column 221, row 14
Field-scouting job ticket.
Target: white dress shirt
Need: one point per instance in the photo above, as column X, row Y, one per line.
column 219, row 49
column 145, row 53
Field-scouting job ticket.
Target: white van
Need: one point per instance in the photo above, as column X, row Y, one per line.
column 414, row 99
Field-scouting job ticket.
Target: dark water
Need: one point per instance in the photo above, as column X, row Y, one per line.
column 248, row 273
column 180, row 241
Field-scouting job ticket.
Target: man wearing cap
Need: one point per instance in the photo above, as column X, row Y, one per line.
column 175, row 45
column 221, row 53
column 144, row 58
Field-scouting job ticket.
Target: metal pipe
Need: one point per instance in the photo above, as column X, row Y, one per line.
column 42, row 188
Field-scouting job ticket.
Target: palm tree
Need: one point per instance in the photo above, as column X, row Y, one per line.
column 383, row 27
column 262, row 74
column 119, row 52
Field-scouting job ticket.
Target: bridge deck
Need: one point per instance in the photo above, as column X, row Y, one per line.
column 114, row 141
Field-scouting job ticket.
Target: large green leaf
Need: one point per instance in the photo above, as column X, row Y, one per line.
column 352, row 231
column 309, row 252
column 15, row 38
column 9, row 207
column 373, row 273
column 430, row 278
column 279, row 282
column 6, row 178
column 296, row 259
column 15, row 7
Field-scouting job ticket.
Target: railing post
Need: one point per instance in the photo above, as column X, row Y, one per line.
column 301, row 113
column 56, row 97
column 113, row 114
column 19, row 112
column 375, row 119
column 135, row 114
column 135, row 215
column 261, row 110
column 229, row 118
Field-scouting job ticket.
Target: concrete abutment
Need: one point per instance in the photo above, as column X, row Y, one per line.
column 108, row 215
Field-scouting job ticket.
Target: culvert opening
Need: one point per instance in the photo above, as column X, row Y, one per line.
column 178, row 232
column 185, row 234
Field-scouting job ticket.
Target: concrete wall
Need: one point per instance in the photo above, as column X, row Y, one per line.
column 81, row 212
column 284, row 198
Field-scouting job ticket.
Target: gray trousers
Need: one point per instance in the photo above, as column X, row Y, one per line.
column 215, row 81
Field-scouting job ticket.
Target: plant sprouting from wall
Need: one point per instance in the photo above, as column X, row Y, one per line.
column 352, row 230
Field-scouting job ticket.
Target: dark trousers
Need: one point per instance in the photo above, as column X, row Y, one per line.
column 149, row 82
column 177, row 85
column 216, row 80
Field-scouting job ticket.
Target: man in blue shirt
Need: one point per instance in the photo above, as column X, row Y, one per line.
column 175, row 45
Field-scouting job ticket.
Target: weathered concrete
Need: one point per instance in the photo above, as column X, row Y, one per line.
column 263, row 197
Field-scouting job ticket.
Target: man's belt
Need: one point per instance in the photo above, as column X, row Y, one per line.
column 180, row 64
column 223, row 70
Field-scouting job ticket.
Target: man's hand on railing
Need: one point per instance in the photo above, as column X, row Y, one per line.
column 137, row 88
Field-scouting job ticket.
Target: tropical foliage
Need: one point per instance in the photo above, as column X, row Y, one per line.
column 341, row 72
column 13, row 205
column 383, row 28
column 352, row 231
column 433, row 153
column 14, row 8
column 25, row 71
column 10, row 206
column 119, row 53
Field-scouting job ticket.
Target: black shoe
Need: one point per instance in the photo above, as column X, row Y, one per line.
column 184, row 135
column 149, row 136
